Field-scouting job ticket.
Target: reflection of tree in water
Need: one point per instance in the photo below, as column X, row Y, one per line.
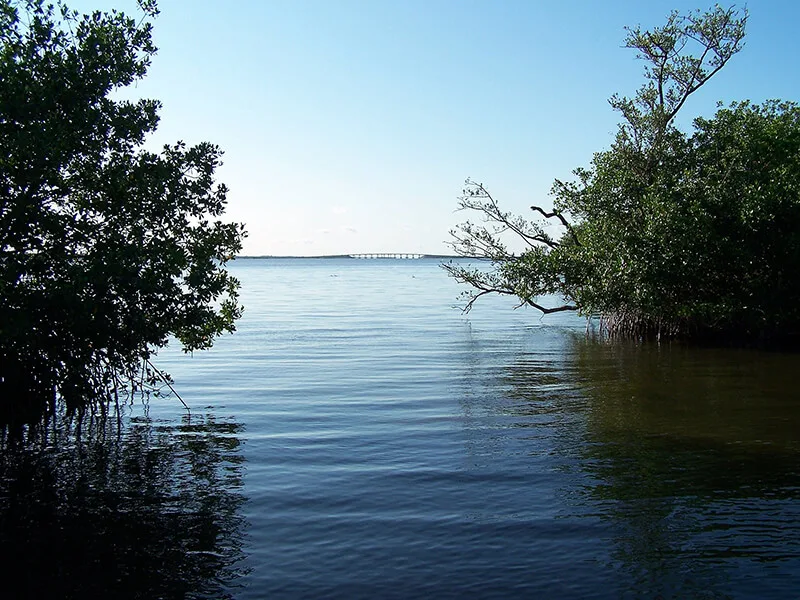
column 693, row 457
column 92, row 509
column 676, row 422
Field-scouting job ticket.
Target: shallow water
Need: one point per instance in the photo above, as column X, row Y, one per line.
column 360, row 437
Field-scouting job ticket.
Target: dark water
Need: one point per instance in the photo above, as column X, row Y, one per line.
column 360, row 438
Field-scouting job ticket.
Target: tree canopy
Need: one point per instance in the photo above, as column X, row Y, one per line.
column 665, row 233
column 106, row 248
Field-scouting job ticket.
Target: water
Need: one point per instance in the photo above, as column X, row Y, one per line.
column 358, row 437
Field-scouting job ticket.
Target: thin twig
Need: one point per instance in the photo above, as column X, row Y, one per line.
column 169, row 385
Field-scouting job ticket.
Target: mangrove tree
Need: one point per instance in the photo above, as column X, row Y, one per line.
column 667, row 232
column 106, row 247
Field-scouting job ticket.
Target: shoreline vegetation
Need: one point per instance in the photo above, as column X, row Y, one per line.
column 667, row 234
column 107, row 249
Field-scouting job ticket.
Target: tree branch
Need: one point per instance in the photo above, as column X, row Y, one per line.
column 560, row 217
column 492, row 211
column 165, row 379
column 548, row 311
column 484, row 287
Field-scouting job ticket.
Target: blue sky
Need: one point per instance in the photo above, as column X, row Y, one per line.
column 350, row 125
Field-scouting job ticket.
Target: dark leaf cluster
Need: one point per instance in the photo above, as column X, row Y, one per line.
column 106, row 248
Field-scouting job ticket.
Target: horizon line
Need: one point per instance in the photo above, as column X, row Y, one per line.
column 361, row 256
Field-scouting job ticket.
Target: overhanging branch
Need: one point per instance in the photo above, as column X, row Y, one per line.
column 547, row 311
column 560, row 217
column 478, row 280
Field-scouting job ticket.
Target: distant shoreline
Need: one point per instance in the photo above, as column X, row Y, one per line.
column 368, row 256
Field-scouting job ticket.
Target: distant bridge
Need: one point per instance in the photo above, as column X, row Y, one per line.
column 387, row 255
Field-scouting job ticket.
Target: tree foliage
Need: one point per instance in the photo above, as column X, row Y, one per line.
column 666, row 232
column 106, row 248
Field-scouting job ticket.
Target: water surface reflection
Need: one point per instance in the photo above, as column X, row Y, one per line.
column 690, row 456
column 97, row 508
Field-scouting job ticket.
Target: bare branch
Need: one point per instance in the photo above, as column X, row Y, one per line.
column 166, row 380
column 476, row 197
column 548, row 311
column 560, row 217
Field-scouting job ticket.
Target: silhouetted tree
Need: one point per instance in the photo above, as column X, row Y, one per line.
column 106, row 248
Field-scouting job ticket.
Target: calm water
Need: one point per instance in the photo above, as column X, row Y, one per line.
column 358, row 437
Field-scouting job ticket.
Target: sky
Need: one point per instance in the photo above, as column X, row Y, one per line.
column 350, row 126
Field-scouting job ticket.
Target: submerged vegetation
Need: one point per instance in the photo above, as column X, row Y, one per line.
column 106, row 248
column 666, row 233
